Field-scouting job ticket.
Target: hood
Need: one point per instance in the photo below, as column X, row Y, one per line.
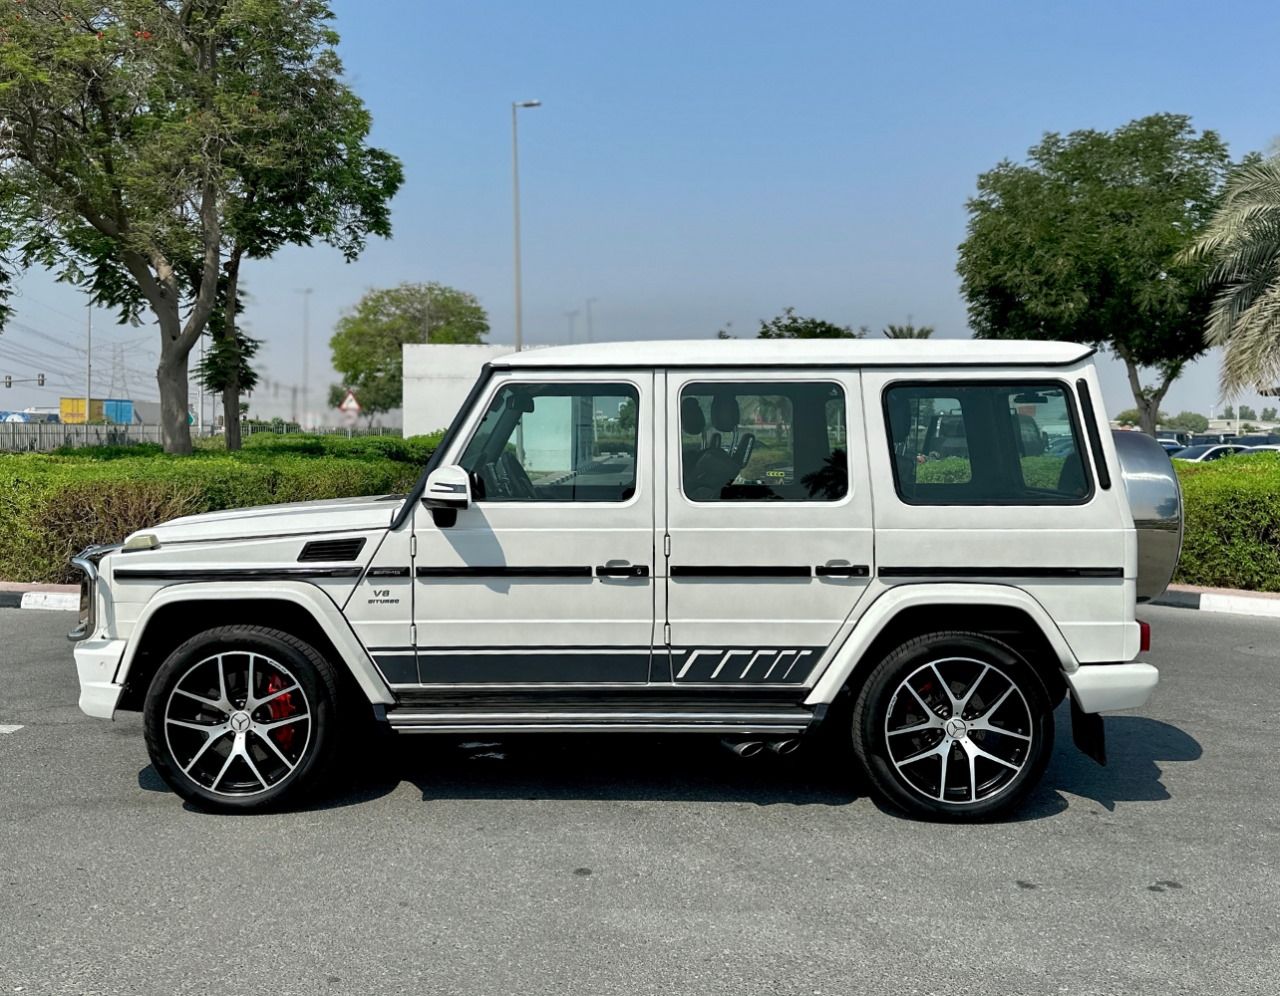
column 293, row 518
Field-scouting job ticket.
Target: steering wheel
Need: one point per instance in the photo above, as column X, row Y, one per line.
column 515, row 481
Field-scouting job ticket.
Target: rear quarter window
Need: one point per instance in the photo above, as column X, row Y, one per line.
column 1014, row 443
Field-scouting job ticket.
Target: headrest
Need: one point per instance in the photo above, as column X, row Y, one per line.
column 899, row 416
column 692, row 421
column 724, row 412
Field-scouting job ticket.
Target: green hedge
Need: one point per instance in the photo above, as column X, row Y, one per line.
column 1232, row 523
column 53, row 505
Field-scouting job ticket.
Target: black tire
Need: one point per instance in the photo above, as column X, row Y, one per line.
column 303, row 723
column 1006, row 720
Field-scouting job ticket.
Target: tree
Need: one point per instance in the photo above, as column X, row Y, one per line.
column 1268, row 415
column 908, row 331
column 367, row 341
column 1084, row 242
column 1247, row 412
column 1186, row 422
column 789, row 325
column 150, row 145
column 1131, row 416
column 1228, row 412
column 1242, row 247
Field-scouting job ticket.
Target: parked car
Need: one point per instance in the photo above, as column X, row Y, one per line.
column 1209, row 451
column 1259, row 439
column 671, row 537
column 1171, row 445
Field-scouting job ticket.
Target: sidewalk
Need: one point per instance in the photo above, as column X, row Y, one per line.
column 60, row 597
column 1245, row 603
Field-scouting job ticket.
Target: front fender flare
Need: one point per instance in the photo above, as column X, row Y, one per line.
column 895, row 599
column 309, row 597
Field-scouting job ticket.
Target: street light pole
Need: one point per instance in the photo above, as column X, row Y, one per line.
column 590, row 302
column 515, row 210
column 306, row 352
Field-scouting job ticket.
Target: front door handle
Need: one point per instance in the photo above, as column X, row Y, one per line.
column 621, row 570
column 842, row 571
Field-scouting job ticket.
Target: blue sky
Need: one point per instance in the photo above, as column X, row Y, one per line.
column 697, row 164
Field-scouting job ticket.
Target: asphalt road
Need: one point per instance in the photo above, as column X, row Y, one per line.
column 602, row 866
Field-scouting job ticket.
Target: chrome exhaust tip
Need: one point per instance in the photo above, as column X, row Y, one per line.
column 784, row 747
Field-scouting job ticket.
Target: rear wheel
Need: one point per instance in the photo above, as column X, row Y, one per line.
column 242, row 718
column 953, row 726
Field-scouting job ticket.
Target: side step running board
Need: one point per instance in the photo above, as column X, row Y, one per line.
column 416, row 719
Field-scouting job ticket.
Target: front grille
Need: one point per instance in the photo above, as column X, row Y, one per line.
column 329, row 550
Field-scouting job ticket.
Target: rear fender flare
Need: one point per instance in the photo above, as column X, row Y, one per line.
column 898, row 598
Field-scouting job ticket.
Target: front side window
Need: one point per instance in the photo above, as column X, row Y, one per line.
column 763, row 441
column 985, row 444
column 556, row 442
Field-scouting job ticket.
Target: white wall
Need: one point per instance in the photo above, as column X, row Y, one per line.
column 437, row 379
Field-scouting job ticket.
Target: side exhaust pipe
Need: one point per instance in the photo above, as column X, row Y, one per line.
column 744, row 748
column 784, row 747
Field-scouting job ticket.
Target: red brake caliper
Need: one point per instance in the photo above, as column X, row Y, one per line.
column 281, row 708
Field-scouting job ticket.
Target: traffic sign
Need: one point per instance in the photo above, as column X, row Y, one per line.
column 350, row 407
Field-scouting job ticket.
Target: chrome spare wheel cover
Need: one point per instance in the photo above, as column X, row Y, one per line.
column 958, row 731
column 237, row 723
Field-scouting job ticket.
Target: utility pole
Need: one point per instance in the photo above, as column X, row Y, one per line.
column 590, row 329
column 88, row 362
column 306, row 354
column 573, row 323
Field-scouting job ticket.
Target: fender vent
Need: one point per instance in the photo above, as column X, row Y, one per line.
column 339, row 549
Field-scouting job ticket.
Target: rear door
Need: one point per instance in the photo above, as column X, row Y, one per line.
column 768, row 522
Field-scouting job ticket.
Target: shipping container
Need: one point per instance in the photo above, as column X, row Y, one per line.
column 72, row 410
column 118, row 411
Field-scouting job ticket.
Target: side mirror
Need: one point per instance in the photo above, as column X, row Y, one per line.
column 447, row 487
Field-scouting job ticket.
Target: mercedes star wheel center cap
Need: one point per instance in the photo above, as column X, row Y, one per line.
column 239, row 721
column 957, row 728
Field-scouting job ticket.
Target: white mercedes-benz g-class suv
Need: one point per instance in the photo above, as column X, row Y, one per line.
column 921, row 546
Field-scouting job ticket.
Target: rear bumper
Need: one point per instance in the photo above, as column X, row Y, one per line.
column 1106, row 687
column 96, row 664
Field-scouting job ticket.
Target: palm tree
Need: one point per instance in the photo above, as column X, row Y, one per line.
column 1242, row 247
column 908, row 331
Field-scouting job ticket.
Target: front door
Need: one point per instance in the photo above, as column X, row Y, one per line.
column 768, row 519
column 548, row 577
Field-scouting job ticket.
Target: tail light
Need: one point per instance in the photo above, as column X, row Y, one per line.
column 1144, row 636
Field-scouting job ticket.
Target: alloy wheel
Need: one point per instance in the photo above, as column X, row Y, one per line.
column 237, row 723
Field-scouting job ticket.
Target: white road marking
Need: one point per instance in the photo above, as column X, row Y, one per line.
column 10, row 728
column 59, row 601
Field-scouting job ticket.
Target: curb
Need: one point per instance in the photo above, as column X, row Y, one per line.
column 56, row 598
column 1241, row 603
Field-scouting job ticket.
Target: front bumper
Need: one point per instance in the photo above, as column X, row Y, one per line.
column 96, row 664
column 1106, row 687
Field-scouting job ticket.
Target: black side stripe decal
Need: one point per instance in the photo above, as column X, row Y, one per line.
column 387, row 572
column 739, row 571
column 235, row 573
column 502, row 571
column 1001, row 572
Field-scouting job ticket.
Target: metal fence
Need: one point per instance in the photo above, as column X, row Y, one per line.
column 41, row 437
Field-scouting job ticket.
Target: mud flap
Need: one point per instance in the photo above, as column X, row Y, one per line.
column 1088, row 733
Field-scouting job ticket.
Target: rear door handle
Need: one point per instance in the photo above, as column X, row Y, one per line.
column 622, row 571
column 842, row 571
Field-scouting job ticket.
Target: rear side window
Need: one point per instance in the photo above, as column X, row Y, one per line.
column 763, row 441
column 986, row 444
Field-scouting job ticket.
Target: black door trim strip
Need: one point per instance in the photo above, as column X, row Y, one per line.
column 235, row 573
column 740, row 571
column 1001, row 572
column 502, row 571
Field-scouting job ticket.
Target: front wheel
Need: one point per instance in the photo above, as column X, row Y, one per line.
column 242, row 718
column 953, row 726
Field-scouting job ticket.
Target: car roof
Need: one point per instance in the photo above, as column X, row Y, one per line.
column 800, row 352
